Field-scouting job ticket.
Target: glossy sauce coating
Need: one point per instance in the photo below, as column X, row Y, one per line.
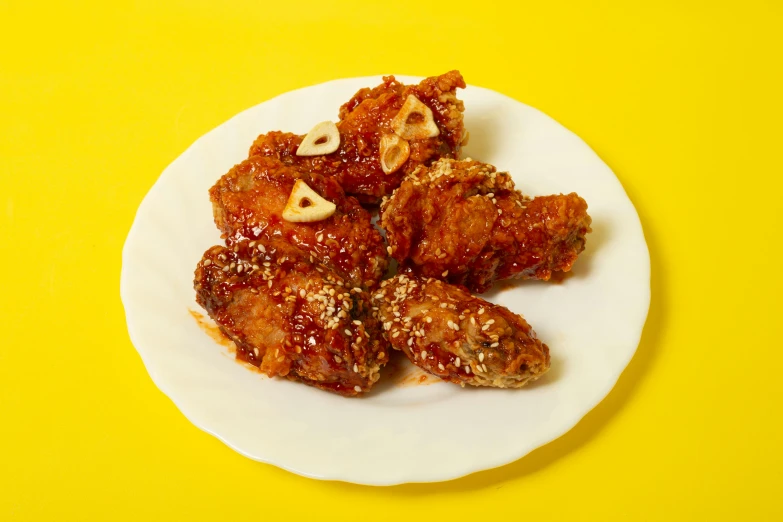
column 363, row 121
column 464, row 222
column 291, row 317
column 248, row 203
column 460, row 338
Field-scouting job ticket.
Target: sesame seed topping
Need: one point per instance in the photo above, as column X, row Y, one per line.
column 395, row 334
column 428, row 319
column 355, row 368
column 457, row 362
column 240, row 268
column 493, row 345
column 225, row 268
column 441, row 367
column 444, row 305
column 467, row 369
column 255, row 351
column 491, row 321
column 445, row 273
column 424, row 354
column 389, row 250
column 410, row 341
column 207, row 262
column 481, row 311
column 485, row 328
column 319, row 238
column 357, row 388
column 337, row 359
column 357, row 322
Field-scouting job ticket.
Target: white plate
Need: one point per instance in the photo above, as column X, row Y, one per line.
column 592, row 321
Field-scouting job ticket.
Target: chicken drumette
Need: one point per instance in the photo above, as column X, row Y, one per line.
column 292, row 317
column 464, row 222
column 458, row 337
column 369, row 131
column 248, row 203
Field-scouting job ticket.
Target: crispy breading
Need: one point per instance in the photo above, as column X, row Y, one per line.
column 458, row 337
column 248, row 203
column 464, row 222
column 291, row 317
column 364, row 119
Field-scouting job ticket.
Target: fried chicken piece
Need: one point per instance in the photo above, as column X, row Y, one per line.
column 291, row 317
column 464, row 222
column 248, row 203
column 460, row 338
column 363, row 121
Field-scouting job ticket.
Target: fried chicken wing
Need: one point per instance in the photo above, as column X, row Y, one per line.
column 458, row 337
column 464, row 222
column 248, row 203
column 364, row 121
column 291, row 317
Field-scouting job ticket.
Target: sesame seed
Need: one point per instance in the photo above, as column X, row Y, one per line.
column 337, row 359
column 357, row 322
column 389, row 250
column 319, row 237
column 355, row 368
column 255, row 351
column 457, row 362
column 445, row 273
column 252, row 244
column 491, row 195
column 444, row 305
column 485, row 328
column 381, row 355
column 207, row 262
column 461, row 317
column 302, row 293
column 484, row 368
column 481, row 357
column 358, row 389
column 225, row 268
column 467, row 369
column 397, row 314
column 410, row 341
column 269, row 283
column 428, row 319
column 424, row 354
column 395, row 334
column 473, row 321
column 277, row 352
column 493, row 345
column 481, row 311
column 441, row 367
column 491, row 321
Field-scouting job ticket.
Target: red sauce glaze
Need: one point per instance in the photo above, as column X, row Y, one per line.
column 280, row 320
column 363, row 121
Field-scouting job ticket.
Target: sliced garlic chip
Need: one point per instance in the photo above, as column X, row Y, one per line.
column 324, row 138
column 394, row 152
column 414, row 121
column 305, row 205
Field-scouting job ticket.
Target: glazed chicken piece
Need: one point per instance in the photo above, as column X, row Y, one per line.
column 458, row 337
column 248, row 203
column 463, row 222
column 368, row 133
column 291, row 317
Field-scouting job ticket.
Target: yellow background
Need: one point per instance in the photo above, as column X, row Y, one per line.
column 681, row 99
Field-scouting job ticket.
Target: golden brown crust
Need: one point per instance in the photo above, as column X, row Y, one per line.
column 460, row 338
column 364, row 119
column 464, row 222
column 291, row 317
column 249, row 200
